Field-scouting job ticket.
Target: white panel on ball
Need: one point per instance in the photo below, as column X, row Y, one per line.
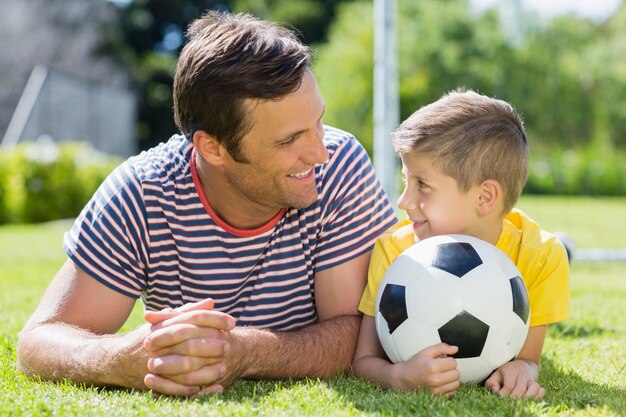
column 413, row 336
column 473, row 369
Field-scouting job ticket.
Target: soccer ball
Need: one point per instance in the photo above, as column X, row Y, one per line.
column 459, row 290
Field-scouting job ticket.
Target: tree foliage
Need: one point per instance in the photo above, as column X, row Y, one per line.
column 147, row 40
column 151, row 33
column 566, row 77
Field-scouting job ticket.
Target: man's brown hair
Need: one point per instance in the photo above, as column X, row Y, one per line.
column 230, row 58
column 470, row 137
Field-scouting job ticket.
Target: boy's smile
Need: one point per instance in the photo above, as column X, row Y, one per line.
column 418, row 223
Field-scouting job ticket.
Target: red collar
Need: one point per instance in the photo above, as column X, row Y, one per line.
column 218, row 220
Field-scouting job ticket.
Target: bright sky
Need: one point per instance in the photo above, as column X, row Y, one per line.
column 594, row 9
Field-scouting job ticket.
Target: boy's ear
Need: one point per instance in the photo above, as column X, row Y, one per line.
column 489, row 196
column 208, row 147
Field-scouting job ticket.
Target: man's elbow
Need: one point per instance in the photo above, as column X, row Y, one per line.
column 24, row 358
column 344, row 356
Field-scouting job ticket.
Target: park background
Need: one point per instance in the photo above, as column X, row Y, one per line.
column 565, row 73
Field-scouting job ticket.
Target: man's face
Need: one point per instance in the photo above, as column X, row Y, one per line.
column 280, row 151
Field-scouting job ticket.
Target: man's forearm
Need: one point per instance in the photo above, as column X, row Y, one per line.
column 59, row 352
column 319, row 351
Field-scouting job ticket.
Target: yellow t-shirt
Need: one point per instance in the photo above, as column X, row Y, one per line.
column 539, row 255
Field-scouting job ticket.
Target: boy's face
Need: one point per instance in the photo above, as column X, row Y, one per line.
column 434, row 202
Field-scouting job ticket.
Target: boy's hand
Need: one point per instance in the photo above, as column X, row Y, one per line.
column 431, row 368
column 517, row 378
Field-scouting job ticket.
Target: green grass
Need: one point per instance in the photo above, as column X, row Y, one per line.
column 583, row 368
column 592, row 222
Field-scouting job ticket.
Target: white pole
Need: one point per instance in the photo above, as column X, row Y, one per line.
column 386, row 101
column 24, row 107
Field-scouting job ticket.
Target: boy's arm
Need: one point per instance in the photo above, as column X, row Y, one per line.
column 519, row 377
column 428, row 369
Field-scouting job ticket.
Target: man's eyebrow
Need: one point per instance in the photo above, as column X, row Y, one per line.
column 290, row 135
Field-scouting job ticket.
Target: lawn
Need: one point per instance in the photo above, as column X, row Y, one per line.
column 583, row 367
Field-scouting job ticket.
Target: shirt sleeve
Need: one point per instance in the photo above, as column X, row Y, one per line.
column 109, row 238
column 378, row 265
column 387, row 248
column 355, row 208
column 549, row 290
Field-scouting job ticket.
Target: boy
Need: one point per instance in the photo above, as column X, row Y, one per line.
column 465, row 162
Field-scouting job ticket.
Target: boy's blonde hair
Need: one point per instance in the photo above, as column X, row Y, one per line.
column 470, row 137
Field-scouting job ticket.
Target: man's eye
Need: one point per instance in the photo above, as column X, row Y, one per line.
column 290, row 140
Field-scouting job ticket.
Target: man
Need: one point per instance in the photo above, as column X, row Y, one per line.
column 247, row 239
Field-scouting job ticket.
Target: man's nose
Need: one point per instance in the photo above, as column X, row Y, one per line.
column 316, row 151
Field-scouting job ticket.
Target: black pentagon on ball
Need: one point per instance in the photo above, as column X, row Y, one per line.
column 467, row 332
column 457, row 258
column 521, row 305
column 393, row 306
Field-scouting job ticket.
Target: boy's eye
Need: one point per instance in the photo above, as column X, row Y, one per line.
column 422, row 185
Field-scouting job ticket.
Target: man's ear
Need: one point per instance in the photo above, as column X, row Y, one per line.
column 489, row 196
column 208, row 147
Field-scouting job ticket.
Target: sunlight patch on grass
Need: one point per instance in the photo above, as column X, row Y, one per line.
column 592, row 222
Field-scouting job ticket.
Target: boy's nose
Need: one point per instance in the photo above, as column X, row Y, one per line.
column 407, row 200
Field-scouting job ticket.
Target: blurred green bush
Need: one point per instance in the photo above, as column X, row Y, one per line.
column 590, row 170
column 44, row 180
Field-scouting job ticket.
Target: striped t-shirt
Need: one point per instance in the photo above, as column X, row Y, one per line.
column 149, row 232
